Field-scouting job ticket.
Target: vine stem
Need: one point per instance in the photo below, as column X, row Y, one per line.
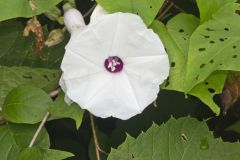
column 39, row 129
column 164, row 11
column 95, row 137
column 45, row 118
column 55, row 92
column 89, row 11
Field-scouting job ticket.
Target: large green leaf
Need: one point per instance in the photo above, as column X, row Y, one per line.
column 37, row 153
column 14, row 138
column 176, row 38
column 21, row 8
column 214, row 46
column 60, row 109
column 147, row 9
column 208, row 8
column 16, row 50
column 11, row 77
column 168, row 103
column 182, row 139
column 26, row 104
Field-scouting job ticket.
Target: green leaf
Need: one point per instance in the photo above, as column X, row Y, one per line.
column 176, row 39
column 182, row 139
column 147, row 9
column 234, row 127
column 11, row 77
column 21, row 8
column 26, row 104
column 168, row 103
column 60, row 109
column 38, row 153
column 208, row 8
column 16, row 50
column 214, row 46
column 15, row 137
column 212, row 86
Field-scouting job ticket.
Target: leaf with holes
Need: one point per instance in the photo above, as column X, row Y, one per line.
column 11, row 77
column 15, row 137
column 208, row 8
column 26, row 104
column 21, row 8
column 60, row 109
column 182, row 139
column 38, row 153
column 16, row 50
column 148, row 10
column 176, row 37
column 214, row 46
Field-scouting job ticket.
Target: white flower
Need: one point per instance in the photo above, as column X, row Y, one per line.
column 114, row 65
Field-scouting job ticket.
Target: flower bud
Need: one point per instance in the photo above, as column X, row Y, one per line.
column 53, row 14
column 73, row 20
column 55, row 37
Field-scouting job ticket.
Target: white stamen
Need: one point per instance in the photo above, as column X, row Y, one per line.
column 112, row 64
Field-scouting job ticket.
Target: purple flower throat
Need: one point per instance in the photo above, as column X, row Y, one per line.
column 113, row 64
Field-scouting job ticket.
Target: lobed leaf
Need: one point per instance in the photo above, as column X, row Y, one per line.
column 147, row 10
column 182, row 139
column 214, row 46
column 176, row 38
column 208, row 8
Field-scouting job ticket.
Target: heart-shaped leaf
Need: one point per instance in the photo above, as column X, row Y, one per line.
column 26, row 104
column 11, row 77
column 38, row 153
column 14, row 138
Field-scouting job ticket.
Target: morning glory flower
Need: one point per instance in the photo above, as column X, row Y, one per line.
column 114, row 65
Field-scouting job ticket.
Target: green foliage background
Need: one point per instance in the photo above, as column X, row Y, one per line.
column 202, row 40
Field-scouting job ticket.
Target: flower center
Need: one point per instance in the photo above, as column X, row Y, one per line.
column 113, row 64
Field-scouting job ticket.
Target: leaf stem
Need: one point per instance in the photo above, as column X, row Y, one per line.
column 95, row 137
column 39, row 129
column 55, row 92
column 164, row 11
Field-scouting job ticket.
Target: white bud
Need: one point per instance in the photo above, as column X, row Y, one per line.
column 97, row 12
column 73, row 20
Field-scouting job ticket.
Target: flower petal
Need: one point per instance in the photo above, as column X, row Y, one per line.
column 117, row 99
column 115, row 30
column 74, row 66
column 64, row 88
column 83, row 89
column 145, row 91
column 154, row 69
column 87, row 44
column 97, row 12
